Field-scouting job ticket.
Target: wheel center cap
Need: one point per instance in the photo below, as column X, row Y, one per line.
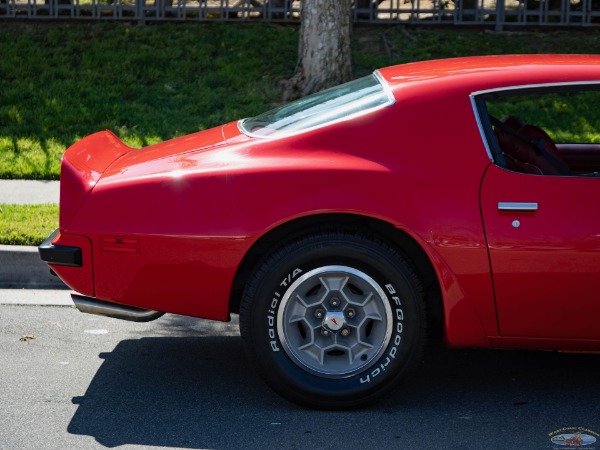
column 334, row 321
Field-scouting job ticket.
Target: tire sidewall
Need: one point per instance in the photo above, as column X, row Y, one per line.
column 393, row 277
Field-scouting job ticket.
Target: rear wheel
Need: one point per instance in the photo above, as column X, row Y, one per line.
column 333, row 319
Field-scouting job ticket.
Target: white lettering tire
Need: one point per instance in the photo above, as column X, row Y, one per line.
column 334, row 319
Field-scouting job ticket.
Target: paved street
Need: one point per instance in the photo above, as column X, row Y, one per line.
column 88, row 382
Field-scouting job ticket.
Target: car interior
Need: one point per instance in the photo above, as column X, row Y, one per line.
column 553, row 132
column 528, row 148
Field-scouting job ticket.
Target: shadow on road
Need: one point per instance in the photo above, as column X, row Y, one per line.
column 164, row 391
column 200, row 392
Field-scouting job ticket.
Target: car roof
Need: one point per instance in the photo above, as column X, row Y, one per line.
column 489, row 72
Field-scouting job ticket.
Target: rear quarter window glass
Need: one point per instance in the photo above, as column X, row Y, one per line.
column 341, row 102
column 567, row 117
column 546, row 131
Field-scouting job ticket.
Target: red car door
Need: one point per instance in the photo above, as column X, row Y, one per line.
column 543, row 235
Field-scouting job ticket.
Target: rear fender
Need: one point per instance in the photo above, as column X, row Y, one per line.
column 82, row 166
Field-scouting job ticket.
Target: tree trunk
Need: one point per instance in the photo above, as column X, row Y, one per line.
column 324, row 58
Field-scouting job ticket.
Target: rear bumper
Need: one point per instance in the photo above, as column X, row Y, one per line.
column 60, row 255
column 70, row 258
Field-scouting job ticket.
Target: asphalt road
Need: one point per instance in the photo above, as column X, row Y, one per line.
column 88, row 382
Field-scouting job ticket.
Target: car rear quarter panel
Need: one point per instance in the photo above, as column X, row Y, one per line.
column 442, row 213
column 417, row 164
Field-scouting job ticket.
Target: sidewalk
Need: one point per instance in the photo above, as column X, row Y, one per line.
column 20, row 266
column 30, row 192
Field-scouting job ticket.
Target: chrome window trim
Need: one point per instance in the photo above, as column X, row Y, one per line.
column 473, row 97
column 386, row 89
column 480, row 126
column 536, row 86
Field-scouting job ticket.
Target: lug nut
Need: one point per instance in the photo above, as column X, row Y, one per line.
column 345, row 332
column 335, row 302
column 319, row 313
column 350, row 313
column 324, row 332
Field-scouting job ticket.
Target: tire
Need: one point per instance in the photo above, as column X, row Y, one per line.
column 333, row 320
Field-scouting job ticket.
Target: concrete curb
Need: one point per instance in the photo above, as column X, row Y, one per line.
column 36, row 297
column 22, row 268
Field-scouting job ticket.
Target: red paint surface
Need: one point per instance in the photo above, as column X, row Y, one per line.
column 185, row 212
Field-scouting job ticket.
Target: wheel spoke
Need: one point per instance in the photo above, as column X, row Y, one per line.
column 334, row 321
column 334, row 283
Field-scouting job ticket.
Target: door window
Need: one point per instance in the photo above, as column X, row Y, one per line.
column 544, row 131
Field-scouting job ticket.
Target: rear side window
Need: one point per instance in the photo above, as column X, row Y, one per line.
column 339, row 103
column 545, row 131
column 571, row 117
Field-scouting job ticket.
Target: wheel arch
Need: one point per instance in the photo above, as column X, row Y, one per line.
column 400, row 240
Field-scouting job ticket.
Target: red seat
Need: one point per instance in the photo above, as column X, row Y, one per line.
column 522, row 156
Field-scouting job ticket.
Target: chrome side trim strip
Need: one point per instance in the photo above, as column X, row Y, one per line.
column 92, row 305
column 513, row 206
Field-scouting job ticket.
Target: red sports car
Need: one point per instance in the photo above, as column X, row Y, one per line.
column 456, row 200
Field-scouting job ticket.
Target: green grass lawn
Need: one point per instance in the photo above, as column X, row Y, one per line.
column 27, row 224
column 147, row 84
column 61, row 82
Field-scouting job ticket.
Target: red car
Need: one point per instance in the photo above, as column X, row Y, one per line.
column 456, row 200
